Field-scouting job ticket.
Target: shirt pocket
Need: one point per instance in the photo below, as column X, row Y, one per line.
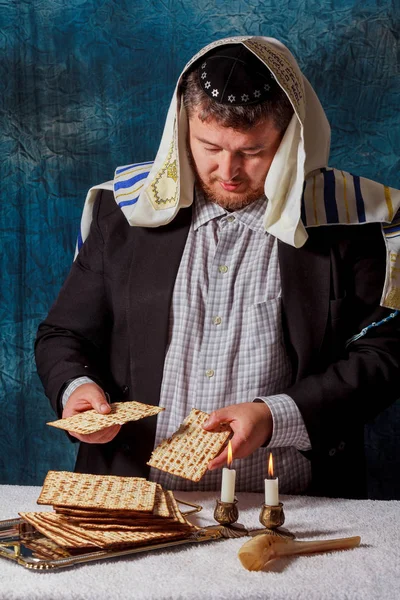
column 264, row 324
column 268, row 365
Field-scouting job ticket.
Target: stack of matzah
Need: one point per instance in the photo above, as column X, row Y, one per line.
column 107, row 512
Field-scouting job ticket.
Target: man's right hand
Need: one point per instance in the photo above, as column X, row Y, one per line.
column 86, row 397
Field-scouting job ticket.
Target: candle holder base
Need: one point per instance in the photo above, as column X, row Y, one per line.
column 279, row 532
column 233, row 531
column 272, row 517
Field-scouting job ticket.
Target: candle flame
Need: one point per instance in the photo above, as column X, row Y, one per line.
column 230, row 454
column 270, row 466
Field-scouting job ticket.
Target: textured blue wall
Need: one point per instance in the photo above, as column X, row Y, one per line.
column 85, row 87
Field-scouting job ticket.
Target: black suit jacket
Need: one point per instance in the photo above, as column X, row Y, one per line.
column 110, row 323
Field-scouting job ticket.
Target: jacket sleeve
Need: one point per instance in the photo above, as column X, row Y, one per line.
column 73, row 340
column 359, row 380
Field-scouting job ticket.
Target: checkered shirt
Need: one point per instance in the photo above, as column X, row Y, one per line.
column 226, row 344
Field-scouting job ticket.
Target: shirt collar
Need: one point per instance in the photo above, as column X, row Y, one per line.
column 251, row 216
column 204, row 211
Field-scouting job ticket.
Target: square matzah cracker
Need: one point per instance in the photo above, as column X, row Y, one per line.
column 121, row 412
column 190, row 449
column 98, row 491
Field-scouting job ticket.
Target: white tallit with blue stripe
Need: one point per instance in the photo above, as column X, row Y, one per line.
column 302, row 191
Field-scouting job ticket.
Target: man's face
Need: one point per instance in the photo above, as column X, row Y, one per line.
column 231, row 165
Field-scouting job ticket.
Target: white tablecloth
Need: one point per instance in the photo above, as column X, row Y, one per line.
column 212, row 570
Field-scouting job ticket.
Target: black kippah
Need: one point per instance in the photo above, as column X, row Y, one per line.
column 234, row 76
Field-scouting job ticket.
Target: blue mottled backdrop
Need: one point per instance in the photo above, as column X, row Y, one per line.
column 85, row 86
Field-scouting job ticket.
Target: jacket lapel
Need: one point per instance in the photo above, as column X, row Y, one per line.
column 156, row 255
column 305, row 277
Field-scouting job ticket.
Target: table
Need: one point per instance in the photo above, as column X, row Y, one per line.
column 212, row 570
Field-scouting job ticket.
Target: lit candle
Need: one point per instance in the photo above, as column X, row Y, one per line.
column 271, row 485
column 228, row 479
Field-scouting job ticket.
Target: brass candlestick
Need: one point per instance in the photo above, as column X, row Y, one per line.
column 226, row 514
column 272, row 517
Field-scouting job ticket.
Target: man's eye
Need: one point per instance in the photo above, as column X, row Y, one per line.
column 250, row 154
column 212, row 150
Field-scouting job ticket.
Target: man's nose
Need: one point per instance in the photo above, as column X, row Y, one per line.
column 229, row 166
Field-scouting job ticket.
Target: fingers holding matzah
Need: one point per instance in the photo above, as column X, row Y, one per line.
column 251, row 423
column 85, row 397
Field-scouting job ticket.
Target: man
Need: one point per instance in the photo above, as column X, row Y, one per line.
column 234, row 298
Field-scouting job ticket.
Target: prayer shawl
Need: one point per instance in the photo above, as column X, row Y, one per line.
column 301, row 190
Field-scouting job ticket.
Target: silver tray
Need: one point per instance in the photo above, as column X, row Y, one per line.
column 19, row 542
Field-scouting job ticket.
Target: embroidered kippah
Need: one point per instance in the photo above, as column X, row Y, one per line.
column 233, row 75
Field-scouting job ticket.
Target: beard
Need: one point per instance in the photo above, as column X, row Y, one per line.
column 230, row 201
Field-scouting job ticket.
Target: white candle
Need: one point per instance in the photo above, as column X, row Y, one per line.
column 271, row 492
column 228, row 485
column 228, row 479
column 271, row 485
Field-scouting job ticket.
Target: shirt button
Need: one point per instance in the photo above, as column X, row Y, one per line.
column 210, row 373
column 223, row 269
column 217, row 320
column 230, row 219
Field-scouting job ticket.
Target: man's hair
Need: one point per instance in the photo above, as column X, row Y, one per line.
column 240, row 118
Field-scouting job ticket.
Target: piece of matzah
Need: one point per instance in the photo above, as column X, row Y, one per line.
column 190, row 449
column 160, row 509
column 121, row 412
column 50, row 527
column 165, row 510
column 108, row 513
column 165, row 526
column 45, row 549
column 81, row 490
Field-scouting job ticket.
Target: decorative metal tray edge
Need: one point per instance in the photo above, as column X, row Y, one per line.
column 15, row 533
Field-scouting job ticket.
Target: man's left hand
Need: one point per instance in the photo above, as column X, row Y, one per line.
column 251, row 423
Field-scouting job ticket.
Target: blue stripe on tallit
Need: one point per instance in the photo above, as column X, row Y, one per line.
column 392, row 226
column 79, row 240
column 130, row 182
column 359, row 199
column 123, row 169
column 329, row 197
column 128, row 202
column 391, row 229
column 303, row 207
